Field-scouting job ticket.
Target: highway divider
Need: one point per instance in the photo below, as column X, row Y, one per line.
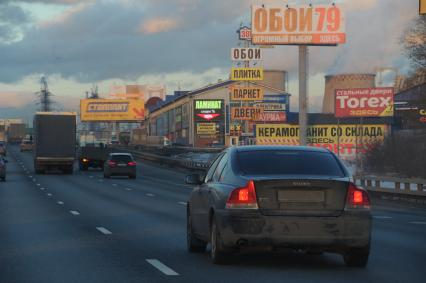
column 391, row 188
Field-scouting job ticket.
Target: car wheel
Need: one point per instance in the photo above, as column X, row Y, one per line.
column 106, row 176
column 132, row 176
column 217, row 253
column 356, row 257
column 3, row 179
column 194, row 245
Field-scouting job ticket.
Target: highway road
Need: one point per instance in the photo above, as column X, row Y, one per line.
column 82, row 228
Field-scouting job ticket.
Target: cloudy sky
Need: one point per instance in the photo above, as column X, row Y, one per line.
column 186, row 43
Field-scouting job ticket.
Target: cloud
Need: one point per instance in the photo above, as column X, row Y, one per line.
column 158, row 25
column 13, row 21
column 128, row 39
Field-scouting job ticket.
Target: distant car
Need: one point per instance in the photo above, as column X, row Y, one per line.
column 26, row 145
column 120, row 164
column 3, row 162
column 292, row 197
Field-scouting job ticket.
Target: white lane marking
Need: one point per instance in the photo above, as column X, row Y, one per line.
column 104, row 230
column 418, row 222
column 34, row 180
column 90, row 176
column 29, row 176
column 182, row 202
column 42, row 189
column 150, row 195
column 163, row 268
column 49, row 194
column 60, row 202
column 100, row 180
column 38, row 185
column 74, row 212
column 382, row 217
column 128, row 189
column 114, row 185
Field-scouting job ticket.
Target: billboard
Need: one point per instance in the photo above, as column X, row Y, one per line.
column 246, row 74
column 244, row 33
column 271, row 116
column 107, row 110
column 272, row 106
column 245, row 113
column 208, row 109
column 246, row 93
column 297, row 25
column 246, row 54
column 353, row 138
column 206, row 128
column 422, row 7
column 364, row 102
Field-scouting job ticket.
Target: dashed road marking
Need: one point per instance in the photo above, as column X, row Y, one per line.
column 418, row 222
column 100, row 180
column 42, row 188
column 49, row 194
column 162, row 267
column 150, row 195
column 74, row 212
column 34, row 180
column 60, row 202
column 30, row 176
column 38, row 185
column 114, row 185
column 104, row 230
column 382, row 217
column 90, row 176
column 182, row 202
column 128, row 189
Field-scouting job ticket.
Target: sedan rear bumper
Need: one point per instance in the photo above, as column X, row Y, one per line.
column 349, row 230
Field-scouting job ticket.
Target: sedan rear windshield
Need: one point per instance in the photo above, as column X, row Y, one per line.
column 122, row 158
column 285, row 162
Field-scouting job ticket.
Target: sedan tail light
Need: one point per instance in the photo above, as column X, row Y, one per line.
column 112, row 163
column 132, row 163
column 243, row 198
column 357, row 197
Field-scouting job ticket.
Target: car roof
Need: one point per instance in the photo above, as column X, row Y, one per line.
column 280, row 147
column 121, row 153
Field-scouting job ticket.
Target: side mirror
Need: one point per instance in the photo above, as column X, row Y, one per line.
column 193, row 179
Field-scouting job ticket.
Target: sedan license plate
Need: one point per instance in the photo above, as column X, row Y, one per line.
column 301, row 196
column 121, row 164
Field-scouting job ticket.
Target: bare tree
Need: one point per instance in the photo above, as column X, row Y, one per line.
column 414, row 42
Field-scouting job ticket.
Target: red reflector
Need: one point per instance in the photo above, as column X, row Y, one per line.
column 357, row 197
column 244, row 197
column 112, row 163
column 131, row 163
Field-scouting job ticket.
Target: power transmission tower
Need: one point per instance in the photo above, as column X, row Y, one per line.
column 44, row 95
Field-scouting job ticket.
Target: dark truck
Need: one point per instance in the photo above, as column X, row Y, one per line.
column 16, row 133
column 55, row 141
column 93, row 155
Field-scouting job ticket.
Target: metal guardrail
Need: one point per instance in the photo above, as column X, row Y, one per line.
column 405, row 189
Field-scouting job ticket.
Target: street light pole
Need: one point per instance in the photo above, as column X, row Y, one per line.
column 303, row 96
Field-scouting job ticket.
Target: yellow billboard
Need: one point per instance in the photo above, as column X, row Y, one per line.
column 246, row 93
column 348, row 138
column 111, row 110
column 246, row 74
column 206, row 128
column 422, row 7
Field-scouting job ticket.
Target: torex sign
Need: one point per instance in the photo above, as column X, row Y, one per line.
column 364, row 102
column 279, row 24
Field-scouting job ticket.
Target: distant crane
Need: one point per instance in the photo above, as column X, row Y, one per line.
column 44, row 95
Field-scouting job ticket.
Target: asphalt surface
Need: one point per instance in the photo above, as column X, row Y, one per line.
column 82, row 228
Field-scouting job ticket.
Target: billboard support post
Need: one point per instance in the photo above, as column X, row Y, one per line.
column 303, row 89
column 338, row 137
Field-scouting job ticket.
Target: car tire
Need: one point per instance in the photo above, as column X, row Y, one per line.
column 106, row 176
column 194, row 245
column 132, row 176
column 3, row 179
column 217, row 253
column 356, row 257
